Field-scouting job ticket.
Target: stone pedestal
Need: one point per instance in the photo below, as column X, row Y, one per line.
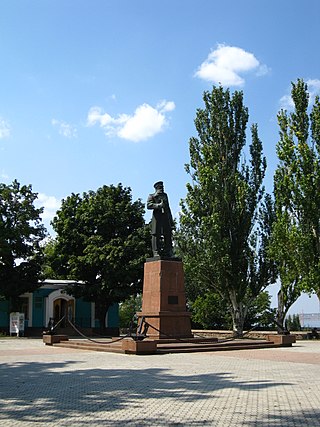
column 164, row 300
column 129, row 346
column 283, row 340
column 54, row 339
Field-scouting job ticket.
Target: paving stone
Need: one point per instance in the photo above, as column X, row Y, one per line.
column 46, row 386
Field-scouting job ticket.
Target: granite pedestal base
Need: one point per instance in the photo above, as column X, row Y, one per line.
column 54, row 339
column 283, row 340
column 164, row 300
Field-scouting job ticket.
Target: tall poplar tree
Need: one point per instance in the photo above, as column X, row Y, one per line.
column 224, row 224
column 296, row 232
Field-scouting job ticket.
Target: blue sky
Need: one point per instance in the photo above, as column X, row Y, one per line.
column 106, row 91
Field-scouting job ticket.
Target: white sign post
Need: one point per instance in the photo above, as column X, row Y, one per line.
column 14, row 323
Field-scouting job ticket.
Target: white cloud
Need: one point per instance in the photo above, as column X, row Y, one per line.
column 146, row 121
column 97, row 116
column 286, row 101
column 166, row 106
column 4, row 176
column 225, row 64
column 50, row 204
column 262, row 70
column 314, row 88
column 4, row 128
column 65, row 129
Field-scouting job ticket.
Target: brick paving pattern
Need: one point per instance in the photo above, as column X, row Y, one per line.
column 46, row 386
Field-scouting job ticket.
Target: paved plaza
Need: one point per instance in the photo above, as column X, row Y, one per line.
column 47, row 386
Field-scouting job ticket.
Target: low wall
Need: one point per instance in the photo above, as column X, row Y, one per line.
column 300, row 335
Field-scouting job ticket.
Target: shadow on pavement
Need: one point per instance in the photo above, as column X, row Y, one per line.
column 307, row 417
column 50, row 392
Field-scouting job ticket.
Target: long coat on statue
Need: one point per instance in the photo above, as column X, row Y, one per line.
column 162, row 221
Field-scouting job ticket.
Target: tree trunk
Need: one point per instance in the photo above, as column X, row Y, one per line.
column 281, row 314
column 101, row 310
column 238, row 316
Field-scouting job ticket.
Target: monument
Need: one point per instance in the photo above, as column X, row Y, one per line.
column 164, row 314
column 162, row 222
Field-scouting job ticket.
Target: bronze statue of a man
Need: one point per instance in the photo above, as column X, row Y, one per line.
column 162, row 222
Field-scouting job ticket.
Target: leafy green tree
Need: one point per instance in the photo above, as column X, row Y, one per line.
column 225, row 226
column 296, row 323
column 21, row 234
column 210, row 311
column 260, row 314
column 128, row 309
column 51, row 267
column 296, row 231
column 293, row 323
column 101, row 240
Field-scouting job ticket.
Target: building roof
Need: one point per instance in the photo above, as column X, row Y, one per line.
column 56, row 283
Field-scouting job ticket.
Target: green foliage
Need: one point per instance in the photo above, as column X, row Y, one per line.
column 293, row 323
column 296, row 231
column 51, row 262
column 21, row 234
column 101, row 240
column 225, row 220
column 210, row 311
column 128, row 309
column 260, row 315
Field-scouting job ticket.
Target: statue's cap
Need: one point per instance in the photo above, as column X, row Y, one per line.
column 158, row 184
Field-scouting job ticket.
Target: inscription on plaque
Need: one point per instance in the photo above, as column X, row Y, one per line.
column 172, row 299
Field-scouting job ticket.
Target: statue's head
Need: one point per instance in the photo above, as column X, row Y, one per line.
column 159, row 186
